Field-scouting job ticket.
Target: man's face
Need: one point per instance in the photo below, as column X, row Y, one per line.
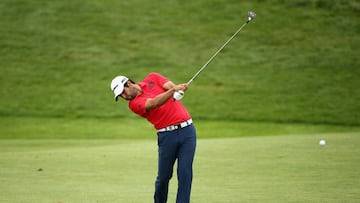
column 130, row 92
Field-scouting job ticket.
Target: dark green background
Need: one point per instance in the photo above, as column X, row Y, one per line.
column 297, row 62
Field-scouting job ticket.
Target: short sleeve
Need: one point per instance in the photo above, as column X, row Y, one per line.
column 160, row 79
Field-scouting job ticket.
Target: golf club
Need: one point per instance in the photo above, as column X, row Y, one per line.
column 179, row 94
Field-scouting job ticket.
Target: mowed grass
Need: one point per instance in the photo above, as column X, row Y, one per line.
column 138, row 128
column 296, row 62
column 290, row 168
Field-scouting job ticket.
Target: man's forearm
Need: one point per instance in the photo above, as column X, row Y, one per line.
column 159, row 99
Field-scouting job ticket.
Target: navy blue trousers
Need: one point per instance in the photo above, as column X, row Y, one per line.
column 175, row 145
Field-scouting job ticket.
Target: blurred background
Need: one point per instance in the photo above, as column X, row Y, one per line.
column 297, row 62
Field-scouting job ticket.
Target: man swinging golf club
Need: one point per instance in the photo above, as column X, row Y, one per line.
column 153, row 99
column 156, row 98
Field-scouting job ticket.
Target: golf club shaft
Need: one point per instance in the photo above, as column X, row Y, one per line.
column 217, row 52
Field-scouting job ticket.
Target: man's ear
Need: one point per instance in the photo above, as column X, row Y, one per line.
column 127, row 83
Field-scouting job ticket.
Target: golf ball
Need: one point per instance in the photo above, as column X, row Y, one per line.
column 322, row 143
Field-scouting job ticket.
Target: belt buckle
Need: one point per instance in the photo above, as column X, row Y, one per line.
column 178, row 126
column 172, row 128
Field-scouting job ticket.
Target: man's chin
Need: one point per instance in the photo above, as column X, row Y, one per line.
column 130, row 98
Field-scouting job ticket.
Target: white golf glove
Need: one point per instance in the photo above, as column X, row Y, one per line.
column 178, row 95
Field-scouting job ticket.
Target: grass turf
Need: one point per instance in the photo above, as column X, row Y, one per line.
column 296, row 62
column 292, row 71
column 290, row 168
column 138, row 128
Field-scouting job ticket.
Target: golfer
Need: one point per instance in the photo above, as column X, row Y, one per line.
column 152, row 99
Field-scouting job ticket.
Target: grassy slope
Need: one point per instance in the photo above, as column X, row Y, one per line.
column 297, row 62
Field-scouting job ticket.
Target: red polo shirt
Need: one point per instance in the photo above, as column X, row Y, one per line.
column 172, row 112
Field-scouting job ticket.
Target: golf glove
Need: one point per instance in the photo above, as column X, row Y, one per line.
column 178, row 95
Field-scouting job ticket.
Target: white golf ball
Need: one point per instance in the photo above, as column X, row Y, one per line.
column 322, row 143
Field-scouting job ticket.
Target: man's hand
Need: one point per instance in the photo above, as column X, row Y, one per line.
column 182, row 87
column 179, row 91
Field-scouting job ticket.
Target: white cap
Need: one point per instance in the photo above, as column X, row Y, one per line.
column 117, row 85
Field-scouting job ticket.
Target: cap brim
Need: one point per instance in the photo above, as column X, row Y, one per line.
column 118, row 91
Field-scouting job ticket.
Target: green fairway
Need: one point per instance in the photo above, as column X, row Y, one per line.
column 253, row 169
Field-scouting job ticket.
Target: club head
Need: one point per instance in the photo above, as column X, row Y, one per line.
column 251, row 15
